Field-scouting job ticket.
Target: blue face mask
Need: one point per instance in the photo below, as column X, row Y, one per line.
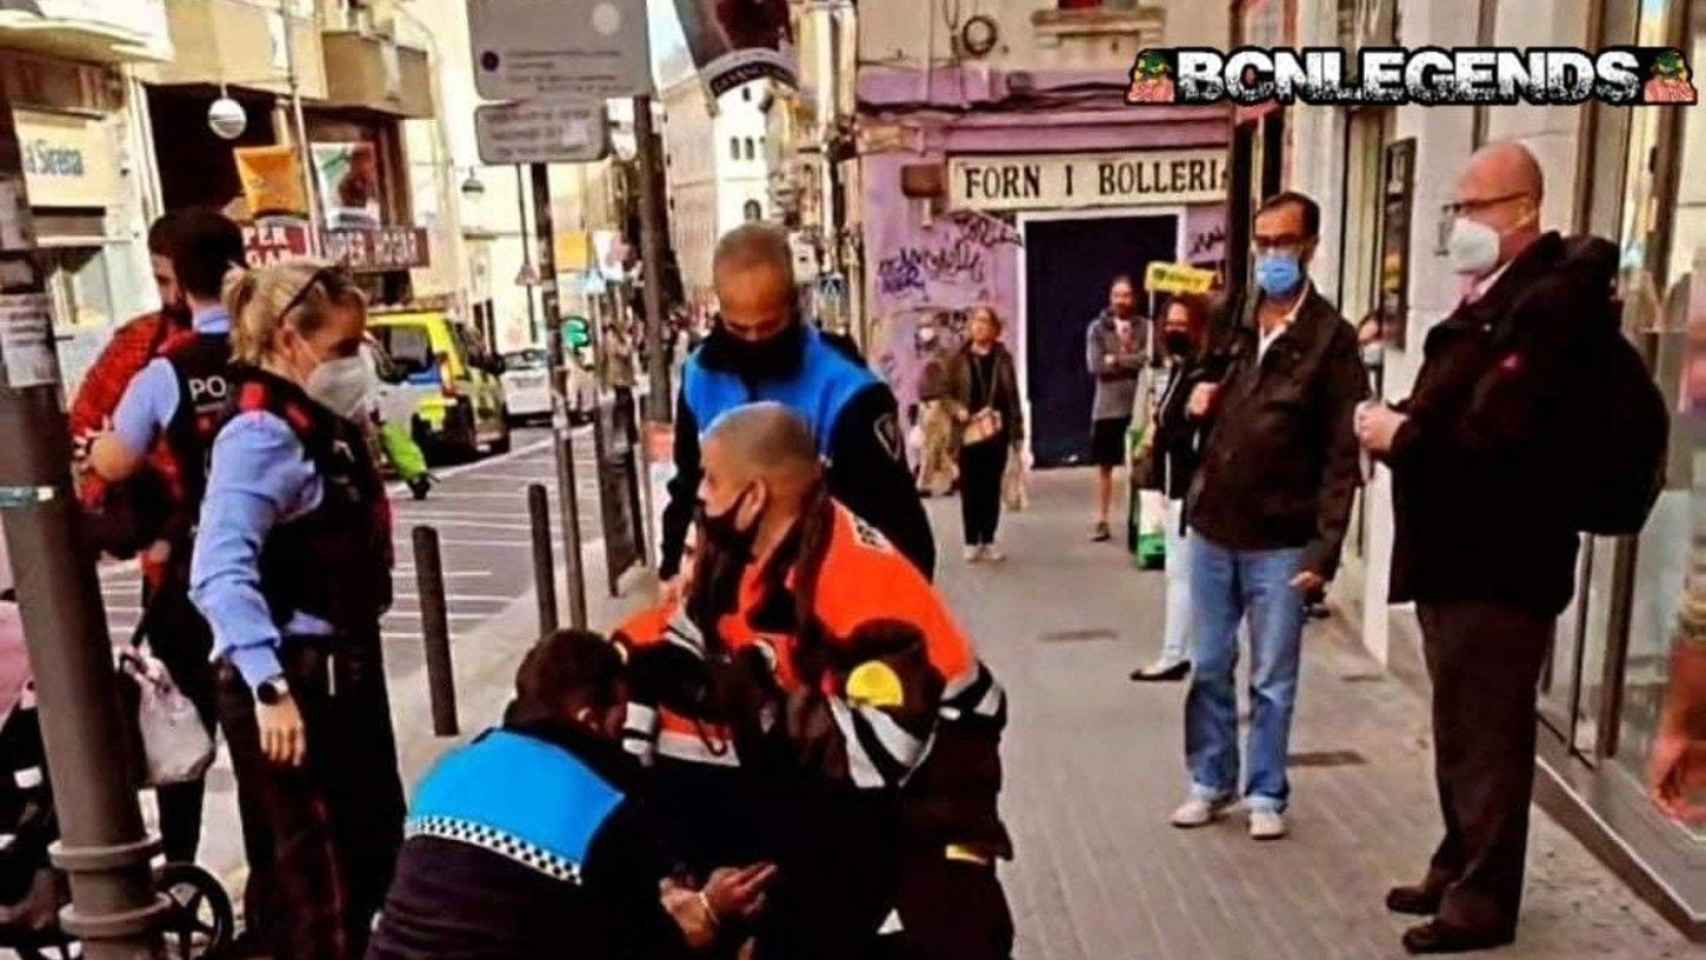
column 1278, row 274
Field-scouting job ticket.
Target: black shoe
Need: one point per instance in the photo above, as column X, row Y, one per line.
column 419, row 487
column 1102, row 534
column 1416, row 901
column 1172, row 674
column 1436, row 937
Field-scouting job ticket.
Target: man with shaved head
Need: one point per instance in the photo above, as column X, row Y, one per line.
column 761, row 349
column 1485, row 454
column 811, row 702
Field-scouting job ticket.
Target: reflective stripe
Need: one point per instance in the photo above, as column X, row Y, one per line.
column 901, row 746
column 691, row 748
column 992, row 701
column 864, row 772
column 891, row 924
column 28, row 778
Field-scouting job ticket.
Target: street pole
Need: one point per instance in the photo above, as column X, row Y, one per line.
column 562, row 439
column 658, row 408
column 526, row 248
column 314, row 217
column 103, row 845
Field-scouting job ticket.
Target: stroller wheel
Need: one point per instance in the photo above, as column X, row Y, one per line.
column 202, row 922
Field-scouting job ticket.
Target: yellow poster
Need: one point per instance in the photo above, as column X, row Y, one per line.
column 573, row 251
column 1177, row 278
column 272, row 181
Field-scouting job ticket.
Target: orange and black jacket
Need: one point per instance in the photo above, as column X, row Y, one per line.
column 838, row 648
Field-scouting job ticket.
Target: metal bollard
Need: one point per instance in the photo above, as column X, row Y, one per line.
column 544, row 566
column 435, row 629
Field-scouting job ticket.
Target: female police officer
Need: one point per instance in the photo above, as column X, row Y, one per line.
column 292, row 570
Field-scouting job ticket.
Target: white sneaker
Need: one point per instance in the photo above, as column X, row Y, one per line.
column 1198, row 812
column 1267, row 824
column 993, row 553
column 974, row 554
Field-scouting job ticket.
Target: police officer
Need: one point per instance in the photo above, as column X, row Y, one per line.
column 175, row 401
column 761, row 349
column 293, row 571
column 533, row 840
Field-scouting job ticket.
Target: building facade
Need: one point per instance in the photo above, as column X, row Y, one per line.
column 998, row 164
column 1623, row 174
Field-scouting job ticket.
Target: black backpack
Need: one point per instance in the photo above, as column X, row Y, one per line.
column 1622, row 425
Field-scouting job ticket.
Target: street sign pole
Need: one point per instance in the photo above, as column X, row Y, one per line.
column 526, row 251
column 562, row 441
column 103, row 845
column 651, row 248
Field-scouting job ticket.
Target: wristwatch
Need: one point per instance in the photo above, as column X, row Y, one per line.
column 272, row 691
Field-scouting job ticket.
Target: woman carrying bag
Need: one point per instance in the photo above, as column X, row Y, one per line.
column 984, row 387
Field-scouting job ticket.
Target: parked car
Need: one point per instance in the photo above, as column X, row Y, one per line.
column 527, row 386
column 450, row 394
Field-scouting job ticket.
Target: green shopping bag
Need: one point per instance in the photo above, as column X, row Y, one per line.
column 403, row 452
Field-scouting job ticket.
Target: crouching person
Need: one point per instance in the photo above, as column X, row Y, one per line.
column 529, row 842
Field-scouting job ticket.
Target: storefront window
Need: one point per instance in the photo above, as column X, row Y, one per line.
column 1656, row 291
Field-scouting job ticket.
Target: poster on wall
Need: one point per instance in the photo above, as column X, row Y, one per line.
column 1398, row 195
column 734, row 42
column 348, row 177
column 272, row 181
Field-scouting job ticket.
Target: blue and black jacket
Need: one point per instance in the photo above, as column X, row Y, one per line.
column 852, row 413
column 528, row 843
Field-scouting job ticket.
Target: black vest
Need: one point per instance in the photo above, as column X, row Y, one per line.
column 333, row 563
column 200, row 361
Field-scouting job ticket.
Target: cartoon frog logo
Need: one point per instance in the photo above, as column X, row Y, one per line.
column 1151, row 79
column 1670, row 81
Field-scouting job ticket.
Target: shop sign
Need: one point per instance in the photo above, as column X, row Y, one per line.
column 68, row 161
column 378, row 251
column 1177, row 278
column 271, row 240
column 1026, row 182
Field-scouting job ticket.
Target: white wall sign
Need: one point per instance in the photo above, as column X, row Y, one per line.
column 542, row 131
column 1021, row 182
column 528, row 48
column 26, row 340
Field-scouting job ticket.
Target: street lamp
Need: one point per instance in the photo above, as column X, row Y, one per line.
column 472, row 188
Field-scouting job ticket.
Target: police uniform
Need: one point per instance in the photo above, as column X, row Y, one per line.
column 570, row 865
column 873, row 718
column 292, row 570
column 851, row 412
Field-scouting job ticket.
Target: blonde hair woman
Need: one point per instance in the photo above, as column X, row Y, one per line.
column 292, row 570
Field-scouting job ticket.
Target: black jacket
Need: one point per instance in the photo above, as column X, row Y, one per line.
column 1280, row 466
column 1476, row 501
column 868, row 473
column 1178, row 438
column 1003, row 396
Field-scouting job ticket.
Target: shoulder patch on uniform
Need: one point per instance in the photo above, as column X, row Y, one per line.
column 889, row 436
column 868, row 535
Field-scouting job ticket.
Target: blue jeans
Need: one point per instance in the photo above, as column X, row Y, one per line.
column 1225, row 585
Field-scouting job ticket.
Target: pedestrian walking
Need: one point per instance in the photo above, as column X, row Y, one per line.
column 1115, row 354
column 985, row 392
column 1172, row 467
column 1267, row 514
column 762, row 349
column 616, row 372
column 534, row 839
column 882, row 784
column 1489, row 488
column 292, row 569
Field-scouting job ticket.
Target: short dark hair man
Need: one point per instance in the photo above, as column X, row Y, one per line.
column 1267, row 512
column 761, row 349
column 1114, row 354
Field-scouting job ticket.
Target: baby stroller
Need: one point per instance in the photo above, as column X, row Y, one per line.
column 32, row 892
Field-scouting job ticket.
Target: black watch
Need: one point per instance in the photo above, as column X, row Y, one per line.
column 272, row 691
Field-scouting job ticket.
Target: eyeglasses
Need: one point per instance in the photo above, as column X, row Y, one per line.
column 334, row 279
column 1474, row 206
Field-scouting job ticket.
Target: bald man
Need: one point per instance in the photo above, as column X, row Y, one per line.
column 810, row 661
column 761, row 349
column 1484, row 544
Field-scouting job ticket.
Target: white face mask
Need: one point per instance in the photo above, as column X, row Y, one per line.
column 1473, row 247
column 341, row 385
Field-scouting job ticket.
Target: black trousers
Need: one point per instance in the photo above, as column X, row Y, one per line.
column 981, row 468
column 1484, row 660
column 337, row 821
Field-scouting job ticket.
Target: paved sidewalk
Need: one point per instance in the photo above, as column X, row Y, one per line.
column 1094, row 765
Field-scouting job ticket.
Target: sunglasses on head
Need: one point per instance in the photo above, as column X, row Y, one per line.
column 334, row 280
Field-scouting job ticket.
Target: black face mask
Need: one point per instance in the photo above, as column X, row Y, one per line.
column 1178, row 343
column 720, row 533
column 720, row 561
column 772, row 358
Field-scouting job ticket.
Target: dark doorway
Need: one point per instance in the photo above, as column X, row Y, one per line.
column 1068, row 267
column 196, row 166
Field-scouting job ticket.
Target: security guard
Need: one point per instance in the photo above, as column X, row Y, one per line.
column 175, row 402
column 293, row 570
column 812, row 673
column 533, row 841
column 761, row 349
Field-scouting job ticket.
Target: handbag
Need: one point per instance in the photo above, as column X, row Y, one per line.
column 985, row 424
column 176, row 748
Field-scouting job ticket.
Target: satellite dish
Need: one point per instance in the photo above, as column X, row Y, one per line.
column 227, row 118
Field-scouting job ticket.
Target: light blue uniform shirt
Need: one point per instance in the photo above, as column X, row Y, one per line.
column 150, row 401
column 260, row 478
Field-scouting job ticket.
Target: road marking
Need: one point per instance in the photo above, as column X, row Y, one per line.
column 408, row 569
column 522, row 544
column 516, row 495
column 479, row 525
column 517, row 478
column 454, row 597
column 413, row 637
column 404, row 615
column 456, row 515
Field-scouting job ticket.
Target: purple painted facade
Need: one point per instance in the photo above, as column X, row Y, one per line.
column 918, row 274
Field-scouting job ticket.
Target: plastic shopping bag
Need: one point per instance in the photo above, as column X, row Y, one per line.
column 1151, row 530
column 175, row 745
column 1014, row 493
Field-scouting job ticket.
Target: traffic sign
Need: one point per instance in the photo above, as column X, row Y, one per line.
column 557, row 130
column 525, row 49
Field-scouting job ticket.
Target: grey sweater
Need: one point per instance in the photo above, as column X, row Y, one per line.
column 1116, row 381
